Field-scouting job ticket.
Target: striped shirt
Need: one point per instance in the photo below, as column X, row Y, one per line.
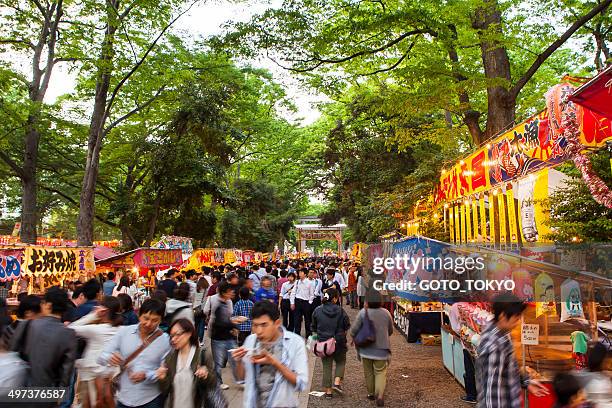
column 497, row 373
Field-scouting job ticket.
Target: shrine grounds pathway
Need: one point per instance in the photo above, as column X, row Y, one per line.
column 416, row 378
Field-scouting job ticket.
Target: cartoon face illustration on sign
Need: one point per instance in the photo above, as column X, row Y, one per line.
column 573, row 302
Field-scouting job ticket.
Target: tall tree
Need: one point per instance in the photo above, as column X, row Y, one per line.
column 429, row 48
column 32, row 30
column 111, row 77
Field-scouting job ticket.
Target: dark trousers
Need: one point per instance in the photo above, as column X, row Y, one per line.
column 158, row 402
column 302, row 312
column 470, row 375
column 242, row 335
column 361, row 302
column 315, row 303
column 287, row 314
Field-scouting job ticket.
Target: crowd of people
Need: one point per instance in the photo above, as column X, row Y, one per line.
column 111, row 346
column 91, row 339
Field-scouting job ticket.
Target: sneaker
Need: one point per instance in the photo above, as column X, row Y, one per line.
column 224, row 387
column 380, row 402
column 338, row 388
column 329, row 396
column 468, row 400
column 371, row 397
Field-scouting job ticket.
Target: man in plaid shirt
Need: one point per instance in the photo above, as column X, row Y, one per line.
column 497, row 373
column 244, row 307
column 4, row 290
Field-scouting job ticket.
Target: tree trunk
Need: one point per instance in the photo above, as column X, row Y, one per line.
column 471, row 118
column 29, row 213
column 36, row 92
column 501, row 102
column 85, row 220
column 153, row 221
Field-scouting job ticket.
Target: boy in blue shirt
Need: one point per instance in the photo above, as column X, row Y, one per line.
column 266, row 292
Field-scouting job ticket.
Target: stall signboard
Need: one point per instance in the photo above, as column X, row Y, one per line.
column 530, row 334
column 522, row 150
column 146, row 258
column 10, row 264
column 172, row 242
column 156, row 258
column 46, row 261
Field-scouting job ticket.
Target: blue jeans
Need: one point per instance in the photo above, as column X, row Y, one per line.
column 221, row 355
column 67, row 403
column 158, row 402
column 201, row 327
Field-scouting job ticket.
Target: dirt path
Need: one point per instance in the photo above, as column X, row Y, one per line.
column 427, row 385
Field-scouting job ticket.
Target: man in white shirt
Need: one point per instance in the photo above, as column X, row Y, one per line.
column 191, row 278
column 301, row 299
column 256, row 276
column 338, row 277
column 313, row 275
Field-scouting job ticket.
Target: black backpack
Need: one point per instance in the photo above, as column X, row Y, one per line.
column 169, row 317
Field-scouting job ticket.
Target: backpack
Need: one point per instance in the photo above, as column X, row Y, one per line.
column 169, row 318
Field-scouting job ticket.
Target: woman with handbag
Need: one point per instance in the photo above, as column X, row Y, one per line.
column 97, row 328
column 370, row 334
column 187, row 377
column 330, row 322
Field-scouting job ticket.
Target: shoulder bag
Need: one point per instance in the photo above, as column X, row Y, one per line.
column 366, row 335
column 328, row 347
column 115, row 380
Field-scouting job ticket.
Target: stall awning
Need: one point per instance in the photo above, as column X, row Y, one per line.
column 596, row 95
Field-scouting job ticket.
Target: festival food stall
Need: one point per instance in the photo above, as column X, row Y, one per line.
column 495, row 196
column 142, row 264
column 33, row 268
column 221, row 256
column 491, row 203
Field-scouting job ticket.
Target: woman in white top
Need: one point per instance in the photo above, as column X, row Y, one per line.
column 97, row 327
column 187, row 377
column 361, row 287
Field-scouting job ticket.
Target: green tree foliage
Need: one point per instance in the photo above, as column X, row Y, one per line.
column 574, row 212
column 475, row 59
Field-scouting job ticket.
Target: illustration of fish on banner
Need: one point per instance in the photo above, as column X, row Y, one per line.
column 545, row 295
column 524, row 149
column 571, row 301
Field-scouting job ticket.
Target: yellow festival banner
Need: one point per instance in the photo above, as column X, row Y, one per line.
column 503, row 238
column 468, row 221
column 492, row 227
column 45, row 261
column 513, row 233
column 451, row 222
column 477, row 236
column 483, row 218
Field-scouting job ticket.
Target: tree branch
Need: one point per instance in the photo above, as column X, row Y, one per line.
column 17, row 42
column 142, row 59
column 72, row 201
column 137, row 109
column 321, row 61
column 392, row 67
column 11, row 163
column 516, row 89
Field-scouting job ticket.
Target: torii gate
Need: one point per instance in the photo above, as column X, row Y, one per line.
column 318, row 232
